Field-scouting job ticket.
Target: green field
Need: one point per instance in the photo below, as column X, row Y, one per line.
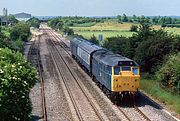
column 112, row 28
column 107, row 29
column 89, row 34
column 173, row 30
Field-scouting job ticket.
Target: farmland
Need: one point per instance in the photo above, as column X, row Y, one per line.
column 107, row 29
column 112, row 28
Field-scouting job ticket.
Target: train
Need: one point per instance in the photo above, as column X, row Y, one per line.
column 116, row 74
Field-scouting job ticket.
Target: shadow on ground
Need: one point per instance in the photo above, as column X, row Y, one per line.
column 36, row 118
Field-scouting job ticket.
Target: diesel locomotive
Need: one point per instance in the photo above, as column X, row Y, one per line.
column 117, row 74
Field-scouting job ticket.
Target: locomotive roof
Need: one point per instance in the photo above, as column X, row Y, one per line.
column 111, row 59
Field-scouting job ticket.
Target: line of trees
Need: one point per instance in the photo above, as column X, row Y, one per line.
column 58, row 24
column 34, row 22
column 151, row 49
column 78, row 21
column 156, row 20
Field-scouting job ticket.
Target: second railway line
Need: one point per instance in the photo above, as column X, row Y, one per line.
column 85, row 109
column 125, row 111
column 85, row 102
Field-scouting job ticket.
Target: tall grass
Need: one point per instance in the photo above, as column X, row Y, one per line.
column 152, row 87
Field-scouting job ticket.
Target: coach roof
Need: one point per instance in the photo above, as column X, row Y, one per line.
column 76, row 41
column 88, row 46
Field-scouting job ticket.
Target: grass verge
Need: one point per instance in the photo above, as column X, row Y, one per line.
column 152, row 87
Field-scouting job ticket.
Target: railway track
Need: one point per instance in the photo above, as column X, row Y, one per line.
column 132, row 108
column 142, row 114
column 135, row 108
column 70, row 80
column 35, row 59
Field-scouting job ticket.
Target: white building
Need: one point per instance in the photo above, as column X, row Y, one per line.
column 22, row 16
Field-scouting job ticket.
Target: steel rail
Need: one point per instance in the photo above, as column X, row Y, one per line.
column 40, row 73
column 72, row 73
column 135, row 107
column 66, row 85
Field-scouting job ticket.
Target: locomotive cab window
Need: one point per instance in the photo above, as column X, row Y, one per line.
column 135, row 70
column 116, row 70
column 126, row 68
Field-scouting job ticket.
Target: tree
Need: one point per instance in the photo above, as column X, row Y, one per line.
column 117, row 44
column 162, row 21
column 12, row 19
column 119, row 18
column 124, row 18
column 68, row 30
column 134, row 18
column 20, row 31
column 59, row 25
column 145, row 30
column 53, row 22
column 0, row 29
column 17, row 77
column 94, row 40
column 134, row 28
column 34, row 22
column 169, row 73
column 150, row 53
column 155, row 20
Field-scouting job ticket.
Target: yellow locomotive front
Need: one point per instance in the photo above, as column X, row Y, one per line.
column 125, row 79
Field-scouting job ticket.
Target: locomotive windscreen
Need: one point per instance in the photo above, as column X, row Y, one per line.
column 126, row 63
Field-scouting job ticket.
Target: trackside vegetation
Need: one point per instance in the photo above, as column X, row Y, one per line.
column 17, row 76
column 157, row 52
column 151, row 41
column 169, row 73
column 34, row 22
column 151, row 48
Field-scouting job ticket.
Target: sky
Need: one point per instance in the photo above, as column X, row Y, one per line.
column 92, row 7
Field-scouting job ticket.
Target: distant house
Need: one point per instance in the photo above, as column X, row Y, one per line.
column 22, row 16
column 3, row 20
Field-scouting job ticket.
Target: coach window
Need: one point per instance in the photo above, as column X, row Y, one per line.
column 116, row 70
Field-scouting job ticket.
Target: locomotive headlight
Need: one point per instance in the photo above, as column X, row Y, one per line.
column 135, row 71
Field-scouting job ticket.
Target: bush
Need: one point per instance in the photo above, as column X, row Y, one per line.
column 169, row 73
column 34, row 22
column 117, row 44
column 68, row 30
column 151, row 52
column 20, row 31
column 94, row 40
column 134, row 28
column 17, row 77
